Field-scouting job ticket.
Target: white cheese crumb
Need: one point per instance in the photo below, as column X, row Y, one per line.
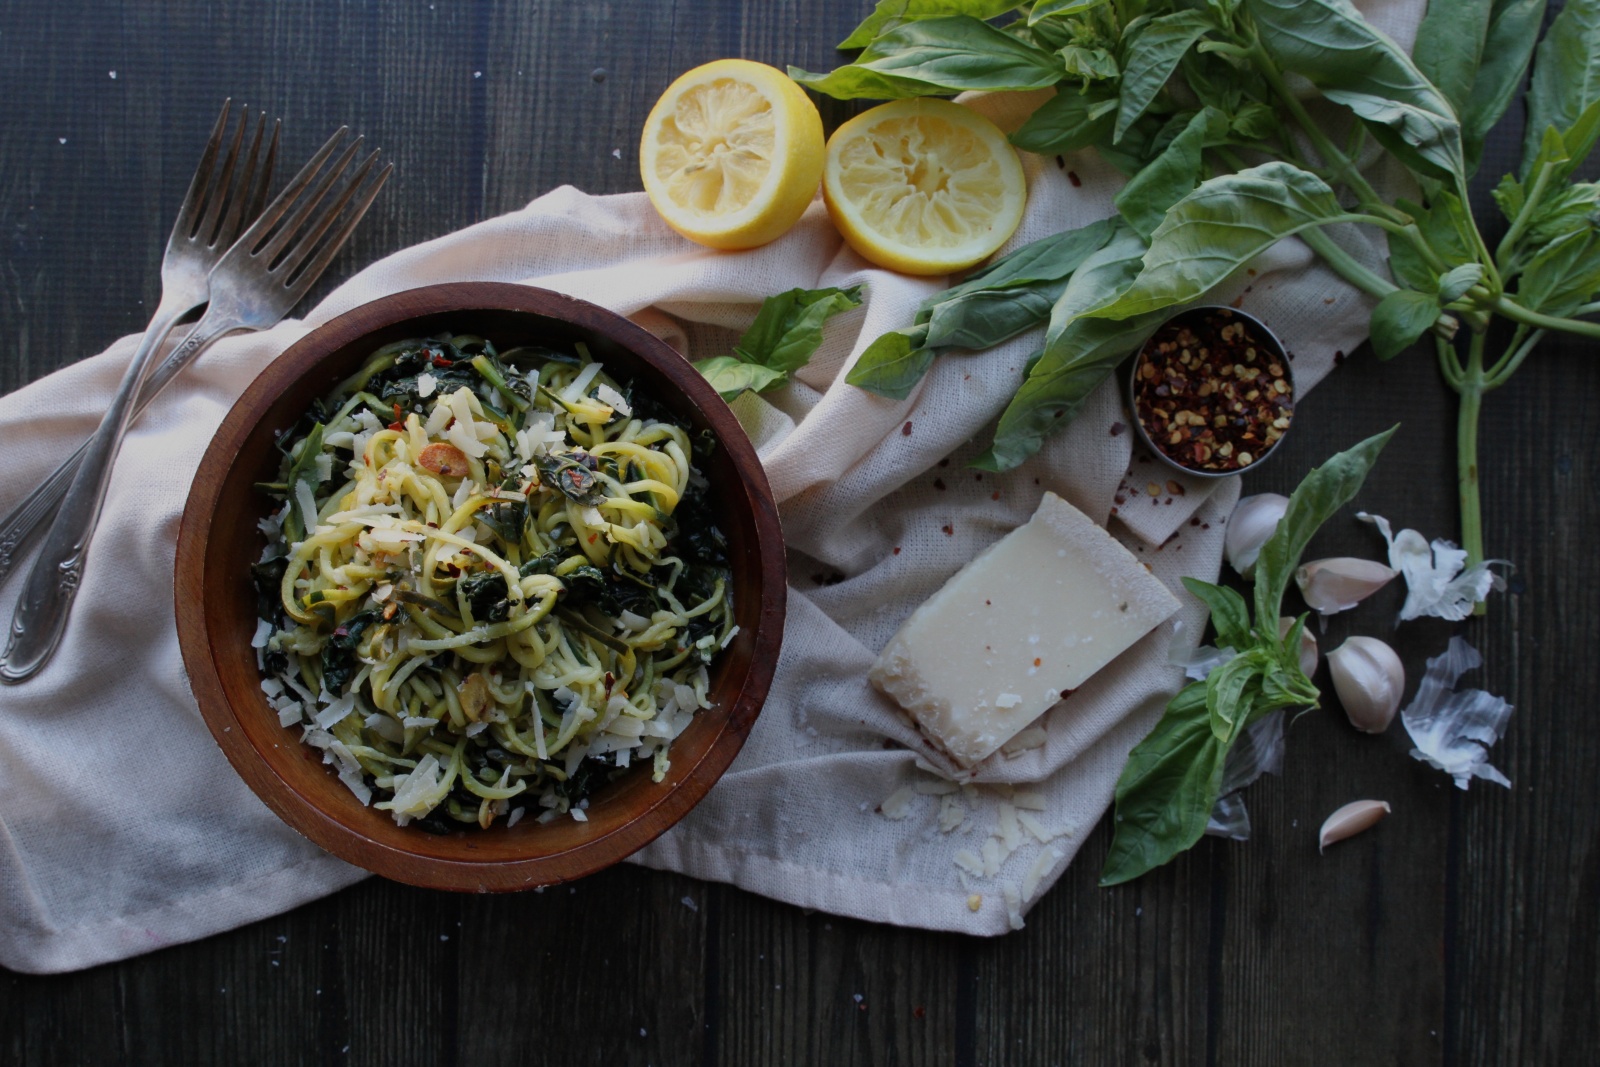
column 898, row 804
column 426, row 385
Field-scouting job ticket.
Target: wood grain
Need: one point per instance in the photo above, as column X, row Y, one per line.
column 1462, row 930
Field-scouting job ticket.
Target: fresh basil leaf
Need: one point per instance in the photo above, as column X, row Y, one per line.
column 1167, row 790
column 1089, row 64
column 1071, row 367
column 730, row 376
column 1321, row 493
column 1564, row 275
column 302, row 469
column 1044, row 9
column 1507, row 48
column 1102, row 279
column 1566, row 73
column 1454, row 283
column 788, row 328
column 1173, row 175
column 1151, row 54
column 1399, row 320
column 1220, row 227
column 1254, row 122
column 1353, row 64
column 892, row 365
column 1230, row 615
column 1449, row 46
column 1567, row 209
column 959, row 52
column 986, row 317
column 1510, row 195
column 1226, row 703
column 851, row 82
column 1067, row 122
column 889, row 11
column 1050, row 258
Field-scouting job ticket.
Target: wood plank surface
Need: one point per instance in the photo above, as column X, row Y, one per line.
column 1463, row 931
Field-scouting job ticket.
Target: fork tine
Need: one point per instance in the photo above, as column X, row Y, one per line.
column 307, row 274
column 272, row 251
column 189, row 213
column 238, row 193
column 258, row 195
column 264, row 224
column 304, row 244
column 219, row 194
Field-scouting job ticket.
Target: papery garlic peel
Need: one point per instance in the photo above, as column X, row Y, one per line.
column 1370, row 680
column 1351, row 820
column 1334, row 585
column 1252, row 524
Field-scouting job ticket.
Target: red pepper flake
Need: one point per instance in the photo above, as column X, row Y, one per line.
column 919, row 1011
column 949, row 531
column 945, row 462
column 1212, row 392
column 905, row 431
column 995, row 495
column 938, row 483
column 977, row 477
column 1061, row 164
column 1117, row 428
column 1077, row 182
column 592, row 537
column 1037, row 661
column 897, row 550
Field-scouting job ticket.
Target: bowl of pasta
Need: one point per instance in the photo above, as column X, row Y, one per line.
column 480, row 587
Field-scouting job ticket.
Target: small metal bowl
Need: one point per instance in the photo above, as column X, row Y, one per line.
column 1275, row 355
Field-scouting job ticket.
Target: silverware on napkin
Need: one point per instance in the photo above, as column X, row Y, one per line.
column 251, row 285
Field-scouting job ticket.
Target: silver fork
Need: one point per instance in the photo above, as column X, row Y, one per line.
column 255, row 283
column 199, row 238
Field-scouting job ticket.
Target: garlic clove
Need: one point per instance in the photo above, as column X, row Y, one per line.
column 1308, row 645
column 1335, row 585
column 1253, row 522
column 1351, row 820
column 1370, row 680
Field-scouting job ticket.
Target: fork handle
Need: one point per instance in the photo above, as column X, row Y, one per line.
column 46, row 600
column 18, row 527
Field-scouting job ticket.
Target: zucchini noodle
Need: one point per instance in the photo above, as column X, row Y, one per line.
column 492, row 583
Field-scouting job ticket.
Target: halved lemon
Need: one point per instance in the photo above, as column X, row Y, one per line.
column 923, row 186
column 731, row 154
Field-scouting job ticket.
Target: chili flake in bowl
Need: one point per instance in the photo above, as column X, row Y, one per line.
column 1212, row 392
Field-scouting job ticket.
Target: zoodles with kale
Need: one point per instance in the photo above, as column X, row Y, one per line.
column 493, row 581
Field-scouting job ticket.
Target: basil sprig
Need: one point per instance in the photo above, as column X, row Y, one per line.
column 1174, row 776
column 1192, row 99
column 786, row 333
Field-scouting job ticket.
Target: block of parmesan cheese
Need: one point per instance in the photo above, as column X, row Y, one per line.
column 1016, row 629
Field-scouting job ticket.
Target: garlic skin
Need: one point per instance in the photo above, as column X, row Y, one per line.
column 1370, row 680
column 1308, row 645
column 1351, row 820
column 1253, row 522
column 1339, row 584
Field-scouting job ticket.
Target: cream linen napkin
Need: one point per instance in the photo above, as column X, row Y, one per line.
column 123, row 829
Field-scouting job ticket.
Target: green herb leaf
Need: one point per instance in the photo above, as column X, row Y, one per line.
column 1230, row 615
column 1167, row 790
column 893, row 364
column 1566, row 73
column 302, row 469
column 1507, row 48
column 1221, row 226
column 1173, row 175
column 1564, row 275
column 1400, row 319
column 958, row 52
column 730, row 376
column 890, row 11
column 1324, row 491
column 1449, row 46
column 1068, row 121
column 1048, row 259
column 1454, row 283
column 1569, row 208
column 851, row 82
column 1226, row 704
column 1044, row 9
column 1353, row 64
column 788, row 328
column 1445, row 226
column 1151, row 54
column 1089, row 64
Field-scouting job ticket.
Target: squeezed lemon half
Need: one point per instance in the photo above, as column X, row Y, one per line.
column 923, row 186
column 731, row 154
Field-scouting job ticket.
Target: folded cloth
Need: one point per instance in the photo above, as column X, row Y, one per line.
column 123, row 829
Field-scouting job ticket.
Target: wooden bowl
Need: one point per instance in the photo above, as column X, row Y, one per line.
column 216, row 602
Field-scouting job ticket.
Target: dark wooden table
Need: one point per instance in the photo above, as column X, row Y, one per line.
column 1464, row 930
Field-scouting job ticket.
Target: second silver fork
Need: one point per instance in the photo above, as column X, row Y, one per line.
column 258, row 281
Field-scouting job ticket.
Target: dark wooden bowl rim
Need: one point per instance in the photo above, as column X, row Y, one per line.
column 217, row 541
